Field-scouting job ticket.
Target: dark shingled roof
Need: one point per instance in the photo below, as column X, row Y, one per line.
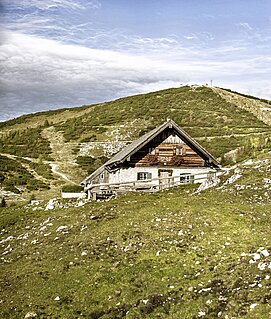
column 132, row 148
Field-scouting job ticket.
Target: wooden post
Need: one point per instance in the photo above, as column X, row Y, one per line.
column 94, row 196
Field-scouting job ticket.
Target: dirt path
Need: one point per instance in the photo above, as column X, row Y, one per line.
column 228, row 136
column 62, row 151
column 14, row 157
column 26, row 166
column 54, row 168
column 64, row 164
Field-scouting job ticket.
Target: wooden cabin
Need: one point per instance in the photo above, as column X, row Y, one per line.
column 164, row 157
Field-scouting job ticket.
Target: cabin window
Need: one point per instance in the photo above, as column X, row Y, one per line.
column 187, row 179
column 179, row 150
column 142, row 176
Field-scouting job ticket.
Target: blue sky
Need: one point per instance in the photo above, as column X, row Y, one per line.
column 61, row 53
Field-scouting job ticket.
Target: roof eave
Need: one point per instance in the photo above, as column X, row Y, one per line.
column 193, row 142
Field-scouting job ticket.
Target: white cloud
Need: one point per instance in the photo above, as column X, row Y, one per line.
column 40, row 74
column 245, row 25
column 51, row 4
column 190, row 37
column 60, row 20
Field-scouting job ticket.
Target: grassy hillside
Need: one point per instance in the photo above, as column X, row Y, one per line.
column 79, row 140
column 172, row 254
column 14, row 172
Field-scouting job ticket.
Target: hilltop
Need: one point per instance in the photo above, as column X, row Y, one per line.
column 41, row 152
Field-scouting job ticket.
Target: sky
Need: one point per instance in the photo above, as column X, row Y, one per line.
column 65, row 53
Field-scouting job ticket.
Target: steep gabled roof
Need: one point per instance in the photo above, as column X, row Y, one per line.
column 136, row 145
column 132, row 148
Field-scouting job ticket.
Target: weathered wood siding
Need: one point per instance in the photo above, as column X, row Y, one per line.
column 167, row 149
column 103, row 177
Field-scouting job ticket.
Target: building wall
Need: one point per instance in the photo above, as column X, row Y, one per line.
column 124, row 175
column 130, row 174
column 73, row 195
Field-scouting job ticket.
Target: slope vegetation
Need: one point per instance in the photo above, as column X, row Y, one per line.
column 78, row 140
column 259, row 107
column 173, row 254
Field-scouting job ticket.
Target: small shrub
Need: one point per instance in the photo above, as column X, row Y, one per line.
column 72, row 188
column 32, row 197
column 3, row 202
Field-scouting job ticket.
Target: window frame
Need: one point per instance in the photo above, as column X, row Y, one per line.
column 187, row 178
column 144, row 176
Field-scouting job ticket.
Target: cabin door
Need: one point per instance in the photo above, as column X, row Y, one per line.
column 165, row 178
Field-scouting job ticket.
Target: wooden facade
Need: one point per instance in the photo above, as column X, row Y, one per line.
column 167, row 149
column 165, row 153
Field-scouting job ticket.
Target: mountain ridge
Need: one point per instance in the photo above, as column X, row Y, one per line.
column 78, row 140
